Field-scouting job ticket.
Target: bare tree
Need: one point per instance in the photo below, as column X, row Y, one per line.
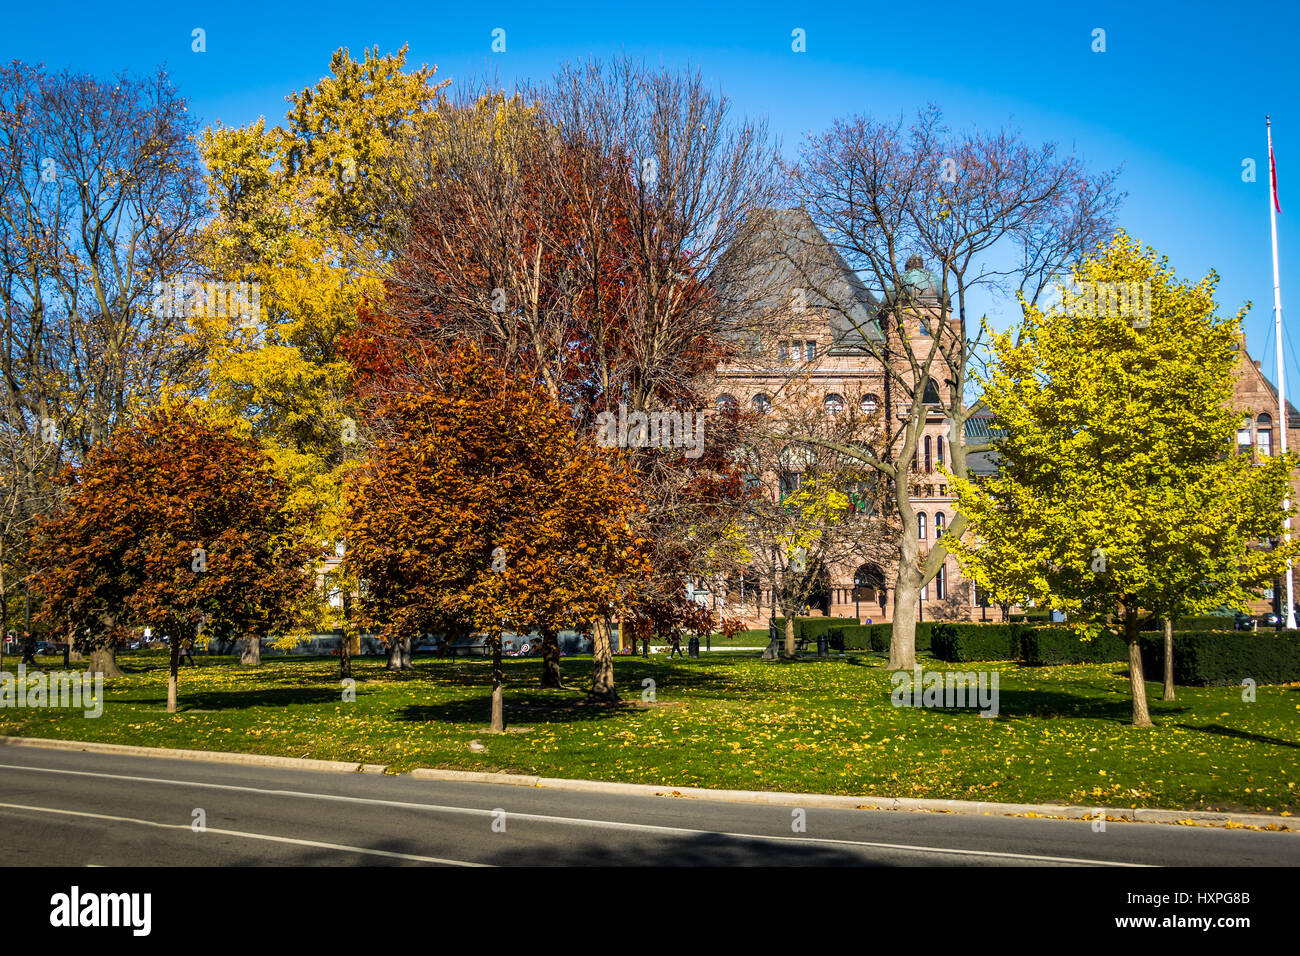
column 929, row 218
column 813, row 510
column 99, row 201
column 578, row 231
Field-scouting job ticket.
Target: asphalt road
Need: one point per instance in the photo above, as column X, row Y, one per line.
column 69, row 808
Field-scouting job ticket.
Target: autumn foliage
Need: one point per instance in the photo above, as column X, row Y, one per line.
column 174, row 523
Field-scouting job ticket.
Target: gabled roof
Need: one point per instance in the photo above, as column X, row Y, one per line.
column 782, row 250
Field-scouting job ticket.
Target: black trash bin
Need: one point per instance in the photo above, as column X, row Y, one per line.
column 823, row 645
column 693, row 647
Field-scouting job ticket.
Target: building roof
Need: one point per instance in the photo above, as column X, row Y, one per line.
column 781, row 251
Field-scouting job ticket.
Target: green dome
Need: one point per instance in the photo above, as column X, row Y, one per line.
column 919, row 280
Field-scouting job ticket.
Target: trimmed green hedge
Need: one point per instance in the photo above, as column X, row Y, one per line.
column 810, row 627
column 882, row 633
column 1219, row 658
column 1202, row 622
column 856, row 637
column 1062, row 645
column 961, row 641
column 1030, row 617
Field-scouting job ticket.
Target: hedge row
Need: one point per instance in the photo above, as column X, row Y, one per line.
column 975, row 642
column 1201, row 622
column 1061, row 645
column 1217, row 658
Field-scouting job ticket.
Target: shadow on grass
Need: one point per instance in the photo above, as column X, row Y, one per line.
column 520, row 707
column 1222, row 731
column 196, row 699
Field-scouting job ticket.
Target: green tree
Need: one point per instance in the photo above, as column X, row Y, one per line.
column 1118, row 490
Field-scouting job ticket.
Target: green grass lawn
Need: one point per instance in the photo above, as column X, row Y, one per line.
column 728, row 720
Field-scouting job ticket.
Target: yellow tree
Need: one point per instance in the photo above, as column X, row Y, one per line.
column 1118, row 490
column 302, row 215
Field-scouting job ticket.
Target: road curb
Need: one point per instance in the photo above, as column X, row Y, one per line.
column 769, row 797
column 210, row 756
column 836, row 802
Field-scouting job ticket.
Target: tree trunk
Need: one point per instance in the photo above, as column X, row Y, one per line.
column 345, row 638
column 251, row 656
column 602, row 682
column 551, row 676
column 103, row 660
column 172, row 669
column 1141, row 716
column 789, row 634
column 399, row 653
column 498, row 677
column 902, row 635
column 1169, row 659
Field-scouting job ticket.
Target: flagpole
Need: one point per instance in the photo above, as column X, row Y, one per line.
column 1281, row 365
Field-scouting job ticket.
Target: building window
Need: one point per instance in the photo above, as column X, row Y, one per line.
column 726, row 402
column 939, row 583
column 938, row 525
column 938, row 450
column 809, row 351
column 929, row 462
column 925, row 592
column 1264, row 434
column 869, row 404
column 762, row 403
column 834, row 403
column 931, row 394
column 920, row 526
column 1243, row 441
column 783, row 351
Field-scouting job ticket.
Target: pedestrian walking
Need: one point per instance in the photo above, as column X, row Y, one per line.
column 29, row 649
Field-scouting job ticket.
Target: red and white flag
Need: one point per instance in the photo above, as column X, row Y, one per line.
column 1272, row 169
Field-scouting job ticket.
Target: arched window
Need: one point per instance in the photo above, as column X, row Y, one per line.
column 762, row 403
column 1264, row 434
column 726, row 402
column 834, row 403
column 940, row 585
column 869, row 404
column 938, row 450
column 938, row 525
column 920, row 526
column 931, row 394
column 929, row 461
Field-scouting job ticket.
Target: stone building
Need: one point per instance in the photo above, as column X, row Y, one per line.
column 818, row 341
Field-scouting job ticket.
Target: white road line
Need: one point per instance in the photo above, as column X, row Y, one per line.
column 579, row 821
column 247, row 836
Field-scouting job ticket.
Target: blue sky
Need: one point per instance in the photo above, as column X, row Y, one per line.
column 1178, row 97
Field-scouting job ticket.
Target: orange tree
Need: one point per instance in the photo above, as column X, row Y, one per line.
column 176, row 523
column 480, row 506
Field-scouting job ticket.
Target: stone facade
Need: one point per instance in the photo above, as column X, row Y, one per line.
column 816, row 347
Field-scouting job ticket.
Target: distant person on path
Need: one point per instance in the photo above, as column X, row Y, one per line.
column 676, row 646
column 187, row 657
column 29, row 649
